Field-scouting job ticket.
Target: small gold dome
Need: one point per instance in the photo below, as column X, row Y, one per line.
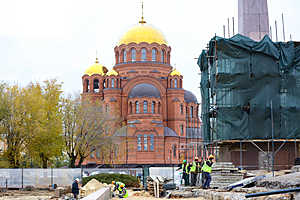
column 112, row 73
column 96, row 68
column 143, row 33
column 175, row 73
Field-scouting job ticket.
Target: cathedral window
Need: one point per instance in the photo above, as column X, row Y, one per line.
column 175, row 83
column 192, row 111
column 87, row 85
column 98, row 153
column 145, row 107
column 106, row 108
column 112, row 82
column 124, row 56
column 145, row 143
column 153, row 107
column 154, row 52
column 181, row 130
column 174, row 150
column 181, row 109
column 137, row 107
column 144, row 52
column 96, row 85
column 162, row 59
column 130, row 108
column 133, row 55
column 139, row 142
column 158, row 110
column 104, row 85
column 151, row 142
column 117, row 83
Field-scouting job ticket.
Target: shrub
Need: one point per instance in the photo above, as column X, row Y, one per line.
column 128, row 180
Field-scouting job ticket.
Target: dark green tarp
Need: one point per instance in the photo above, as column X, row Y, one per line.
column 239, row 80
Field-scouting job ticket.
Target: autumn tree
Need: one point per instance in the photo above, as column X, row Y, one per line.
column 44, row 121
column 11, row 124
column 87, row 127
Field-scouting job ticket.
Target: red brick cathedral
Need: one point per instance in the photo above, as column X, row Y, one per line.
column 162, row 123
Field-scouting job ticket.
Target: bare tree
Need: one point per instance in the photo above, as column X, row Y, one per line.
column 87, row 127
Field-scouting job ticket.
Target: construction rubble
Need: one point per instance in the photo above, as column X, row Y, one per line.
column 230, row 183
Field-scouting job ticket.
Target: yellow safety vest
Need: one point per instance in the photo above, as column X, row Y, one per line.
column 186, row 168
column 193, row 168
column 206, row 168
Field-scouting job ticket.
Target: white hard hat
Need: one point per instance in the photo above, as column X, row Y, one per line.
column 77, row 179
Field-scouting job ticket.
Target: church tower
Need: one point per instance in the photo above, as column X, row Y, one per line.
column 253, row 18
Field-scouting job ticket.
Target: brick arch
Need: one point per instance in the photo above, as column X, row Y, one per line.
column 144, row 79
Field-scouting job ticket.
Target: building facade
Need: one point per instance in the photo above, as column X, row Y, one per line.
column 160, row 117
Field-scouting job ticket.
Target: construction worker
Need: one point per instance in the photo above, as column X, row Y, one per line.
column 198, row 170
column 206, row 169
column 185, row 172
column 123, row 193
column 117, row 185
column 194, row 171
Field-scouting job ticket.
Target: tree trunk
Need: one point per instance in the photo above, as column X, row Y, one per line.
column 81, row 159
column 72, row 161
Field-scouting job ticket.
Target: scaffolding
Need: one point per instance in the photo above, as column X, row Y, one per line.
column 250, row 92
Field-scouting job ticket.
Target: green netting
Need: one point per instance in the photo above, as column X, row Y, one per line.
column 239, row 80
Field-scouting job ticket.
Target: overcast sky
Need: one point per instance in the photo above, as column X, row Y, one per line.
column 42, row 39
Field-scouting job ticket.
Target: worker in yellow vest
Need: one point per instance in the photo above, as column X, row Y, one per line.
column 206, row 169
column 123, row 192
column 185, row 172
column 194, row 171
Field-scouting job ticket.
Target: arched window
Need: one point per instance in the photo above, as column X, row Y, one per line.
column 175, row 83
column 158, row 107
column 144, row 54
column 181, row 109
column 145, row 142
column 96, row 85
column 192, row 111
column 124, row 55
column 174, row 150
column 117, row 83
column 87, row 87
column 104, row 85
column 139, row 142
column 133, row 55
column 153, row 107
column 181, row 130
column 112, row 82
column 137, row 107
column 162, row 58
column 117, row 57
column 154, row 52
column 130, row 108
column 151, row 142
column 145, row 107
column 106, row 108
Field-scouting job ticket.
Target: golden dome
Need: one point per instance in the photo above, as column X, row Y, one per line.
column 143, row 33
column 112, row 73
column 96, row 69
column 175, row 73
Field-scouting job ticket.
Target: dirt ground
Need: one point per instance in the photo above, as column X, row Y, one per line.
column 146, row 196
column 26, row 195
column 46, row 195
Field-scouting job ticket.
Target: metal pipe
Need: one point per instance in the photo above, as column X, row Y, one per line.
column 228, row 29
column 276, row 31
column 272, row 120
column 232, row 26
column 241, row 155
column 258, row 194
column 283, row 28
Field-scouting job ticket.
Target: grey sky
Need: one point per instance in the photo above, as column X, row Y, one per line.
column 58, row 39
